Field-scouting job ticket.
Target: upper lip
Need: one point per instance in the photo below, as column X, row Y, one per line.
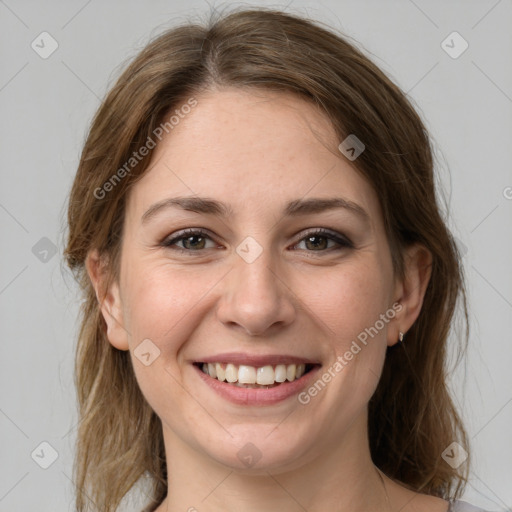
column 240, row 358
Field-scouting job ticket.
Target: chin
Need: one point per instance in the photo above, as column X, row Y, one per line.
column 257, row 451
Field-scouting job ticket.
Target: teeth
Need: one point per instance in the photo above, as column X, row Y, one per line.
column 265, row 375
column 221, row 373
column 231, row 373
column 249, row 376
column 280, row 373
column 246, row 374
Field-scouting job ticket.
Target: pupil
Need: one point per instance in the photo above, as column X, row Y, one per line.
column 188, row 239
column 317, row 237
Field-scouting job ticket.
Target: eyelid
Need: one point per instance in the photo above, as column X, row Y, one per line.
column 169, row 241
column 339, row 238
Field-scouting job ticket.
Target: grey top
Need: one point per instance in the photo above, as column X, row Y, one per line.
column 463, row 506
column 454, row 506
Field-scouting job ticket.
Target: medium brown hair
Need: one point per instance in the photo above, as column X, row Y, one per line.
column 412, row 418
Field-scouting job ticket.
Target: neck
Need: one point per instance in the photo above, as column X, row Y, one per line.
column 340, row 478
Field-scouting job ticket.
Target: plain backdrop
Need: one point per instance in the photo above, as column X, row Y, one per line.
column 46, row 107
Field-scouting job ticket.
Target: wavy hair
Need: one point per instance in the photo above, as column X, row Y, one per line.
column 411, row 416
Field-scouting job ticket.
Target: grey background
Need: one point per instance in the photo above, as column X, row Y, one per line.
column 46, row 107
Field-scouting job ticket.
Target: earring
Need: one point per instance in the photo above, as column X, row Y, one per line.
column 400, row 337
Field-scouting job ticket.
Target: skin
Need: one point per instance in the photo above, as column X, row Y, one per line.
column 256, row 151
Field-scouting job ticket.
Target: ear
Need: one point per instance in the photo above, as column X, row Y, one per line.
column 109, row 298
column 410, row 291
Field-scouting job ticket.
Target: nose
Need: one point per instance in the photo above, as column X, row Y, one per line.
column 256, row 297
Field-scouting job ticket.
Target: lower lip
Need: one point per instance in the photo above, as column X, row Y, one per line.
column 253, row 396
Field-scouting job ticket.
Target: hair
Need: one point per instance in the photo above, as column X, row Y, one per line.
column 411, row 416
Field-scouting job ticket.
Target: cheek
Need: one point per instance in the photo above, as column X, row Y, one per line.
column 350, row 304
column 164, row 305
column 349, row 298
column 161, row 300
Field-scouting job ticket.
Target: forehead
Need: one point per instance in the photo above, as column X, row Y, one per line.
column 255, row 151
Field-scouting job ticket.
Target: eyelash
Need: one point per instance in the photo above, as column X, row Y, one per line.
column 343, row 241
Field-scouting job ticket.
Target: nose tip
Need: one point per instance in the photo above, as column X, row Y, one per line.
column 256, row 299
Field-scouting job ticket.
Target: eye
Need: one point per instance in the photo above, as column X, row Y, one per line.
column 192, row 240
column 320, row 238
column 195, row 240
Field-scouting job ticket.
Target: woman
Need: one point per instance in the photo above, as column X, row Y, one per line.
column 269, row 284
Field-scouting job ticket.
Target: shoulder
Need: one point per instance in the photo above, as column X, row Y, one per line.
column 463, row 506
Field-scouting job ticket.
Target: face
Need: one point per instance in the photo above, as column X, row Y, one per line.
column 285, row 268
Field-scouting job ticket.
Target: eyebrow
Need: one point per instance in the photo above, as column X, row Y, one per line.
column 210, row 206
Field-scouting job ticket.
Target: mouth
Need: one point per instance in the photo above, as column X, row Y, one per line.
column 256, row 380
column 255, row 377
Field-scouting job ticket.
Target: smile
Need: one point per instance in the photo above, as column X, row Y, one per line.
column 267, row 381
column 255, row 377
